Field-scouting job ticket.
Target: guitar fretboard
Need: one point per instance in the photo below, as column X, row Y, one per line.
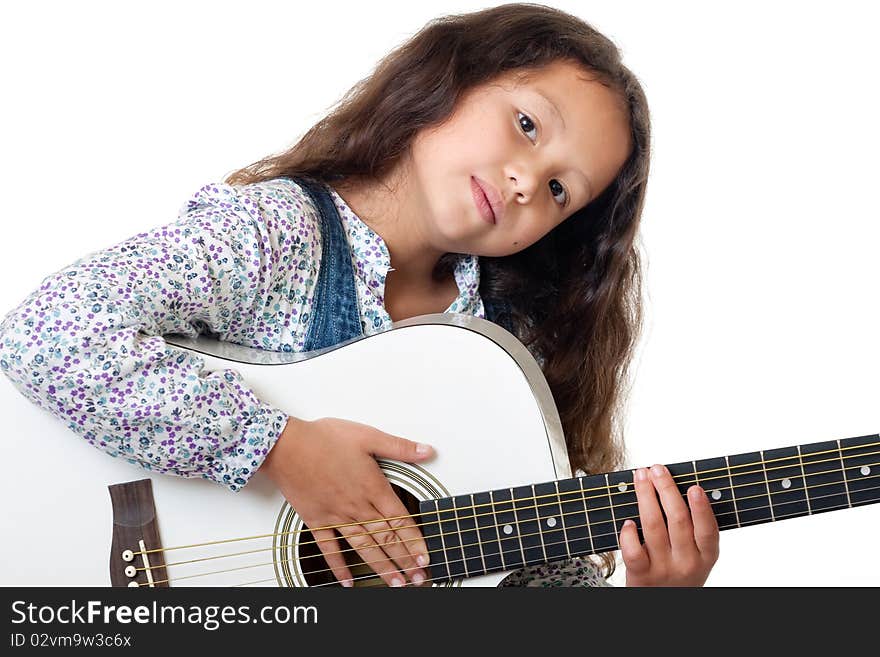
column 485, row 532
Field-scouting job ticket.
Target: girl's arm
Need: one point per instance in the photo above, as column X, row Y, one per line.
column 87, row 346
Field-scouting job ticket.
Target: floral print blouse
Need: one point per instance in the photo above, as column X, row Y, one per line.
column 240, row 262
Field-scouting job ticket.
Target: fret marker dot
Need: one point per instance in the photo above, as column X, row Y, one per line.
column 551, row 522
column 716, row 494
column 865, row 469
column 622, row 486
column 508, row 529
column 786, row 483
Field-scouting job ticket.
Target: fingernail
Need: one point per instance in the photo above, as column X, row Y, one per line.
column 641, row 474
column 658, row 470
column 396, row 581
column 422, row 560
column 422, row 448
column 629, row 523
column 347, row 583
column 418, row 578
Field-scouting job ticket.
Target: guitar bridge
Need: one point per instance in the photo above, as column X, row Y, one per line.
column 134, row 524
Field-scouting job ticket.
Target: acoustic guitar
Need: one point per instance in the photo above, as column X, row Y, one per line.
column 498, row 495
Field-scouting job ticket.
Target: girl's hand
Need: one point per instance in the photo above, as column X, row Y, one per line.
column 326, row 469
column 683, row 556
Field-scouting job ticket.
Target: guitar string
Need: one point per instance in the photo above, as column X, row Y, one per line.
column 522, row 547
column 615, row 534
column 477, row 528
column 606, row 489
column 574, row 500
column 598, row 488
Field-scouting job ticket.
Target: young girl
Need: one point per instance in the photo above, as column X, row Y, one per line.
column 495, row 165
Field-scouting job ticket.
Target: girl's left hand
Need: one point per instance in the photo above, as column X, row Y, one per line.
column 685, row 554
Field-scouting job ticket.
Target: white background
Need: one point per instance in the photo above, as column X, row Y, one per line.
column 760, row 230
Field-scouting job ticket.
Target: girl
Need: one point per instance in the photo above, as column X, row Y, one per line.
column 496, row 165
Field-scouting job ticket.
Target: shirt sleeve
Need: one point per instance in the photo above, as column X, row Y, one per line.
column 87, row 347
column 576, row 571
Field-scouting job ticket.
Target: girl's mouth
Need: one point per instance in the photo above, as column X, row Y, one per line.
column 482, row 202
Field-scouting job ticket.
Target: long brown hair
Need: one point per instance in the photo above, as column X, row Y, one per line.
column 575, row 294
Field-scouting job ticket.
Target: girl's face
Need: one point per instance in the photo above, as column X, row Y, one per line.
column 547, row 146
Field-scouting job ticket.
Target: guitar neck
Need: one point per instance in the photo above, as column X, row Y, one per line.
column 489, row 531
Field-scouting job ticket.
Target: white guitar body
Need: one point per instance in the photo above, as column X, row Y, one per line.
column 458, row 382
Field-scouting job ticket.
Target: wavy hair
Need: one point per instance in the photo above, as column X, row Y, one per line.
column 575, row 294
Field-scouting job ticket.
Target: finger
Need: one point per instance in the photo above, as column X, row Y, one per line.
column 410, row 546
column 706, row 531
column 373, row 556
column 653, row 525
column 401, row 449
column 635, row 557
column 678, row 516
column 388, row 540
column 333, row 555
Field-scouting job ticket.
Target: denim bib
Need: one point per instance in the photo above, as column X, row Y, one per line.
column 335, row 316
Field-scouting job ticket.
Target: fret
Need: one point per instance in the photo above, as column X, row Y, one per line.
column 843, row 467
column 430, row 528
column 511, row 548
column 488, row 530
column 713, row 476
column 562, row 520
column 732, row 490
column 614, row 526
column 470, row 540
column 538, row 521
column 785, row 480
column 451, row 538
column 826, row 484
column 526, row 517
column 550, row 521
column 622, row 493
column 584, row 496
column 752, row 498
column 574, row 517
column 804, row 476
column 683, row 475
column 595, row 491
column 861, row 458
column 767, row 486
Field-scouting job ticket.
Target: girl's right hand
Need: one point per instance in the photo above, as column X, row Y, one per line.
column 327, row 471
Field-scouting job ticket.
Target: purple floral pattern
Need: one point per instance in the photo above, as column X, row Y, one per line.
column 240, row 263
column 577, row 571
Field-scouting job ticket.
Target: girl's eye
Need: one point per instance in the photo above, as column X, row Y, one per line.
column 524, row 122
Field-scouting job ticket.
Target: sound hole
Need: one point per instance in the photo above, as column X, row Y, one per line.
column 315, row 568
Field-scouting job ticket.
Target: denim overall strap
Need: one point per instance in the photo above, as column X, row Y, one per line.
column 334, row 316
